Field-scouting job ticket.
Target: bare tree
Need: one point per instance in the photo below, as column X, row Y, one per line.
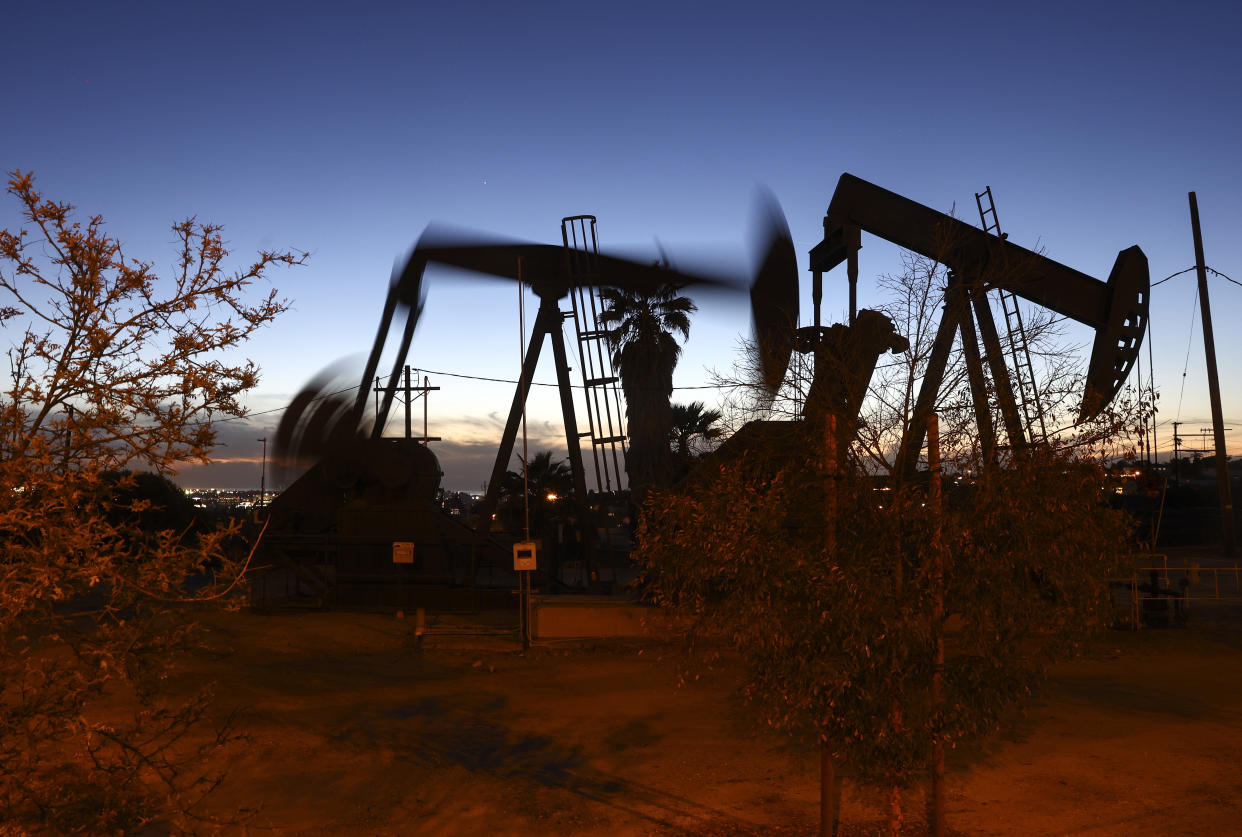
column 822, row 578
column 111, row 366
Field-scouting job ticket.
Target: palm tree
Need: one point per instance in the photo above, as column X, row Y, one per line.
column 693, row 428
column 645, row 352
column 546, row 483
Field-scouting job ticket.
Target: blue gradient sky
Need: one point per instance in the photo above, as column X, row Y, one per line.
column 345, row 129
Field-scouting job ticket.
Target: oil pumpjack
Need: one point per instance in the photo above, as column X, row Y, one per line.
column 979, row 261
column 338, row 524
column 364, row 493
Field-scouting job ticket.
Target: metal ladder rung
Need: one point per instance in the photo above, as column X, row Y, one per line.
column 595, row 382
column 608, row 440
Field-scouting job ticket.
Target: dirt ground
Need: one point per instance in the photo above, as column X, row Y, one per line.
column 352, row 730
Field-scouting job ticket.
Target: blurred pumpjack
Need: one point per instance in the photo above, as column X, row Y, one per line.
column 364, row 492
column 331, row 533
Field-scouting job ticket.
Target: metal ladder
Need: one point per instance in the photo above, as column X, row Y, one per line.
column 599, row 383
column 1019, row 351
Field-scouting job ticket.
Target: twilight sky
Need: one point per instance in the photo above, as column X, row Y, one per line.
column 344, row 129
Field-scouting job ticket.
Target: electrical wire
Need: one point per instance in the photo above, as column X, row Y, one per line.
column 1171, row 275
column 461, row 375
column 1222, row 276
column 273, row 410
column 1211, row 270
column 1151, row 381
column 1189, row 340
column 495, row 380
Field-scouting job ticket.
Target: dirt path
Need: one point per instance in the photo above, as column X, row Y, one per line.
column 352, row 731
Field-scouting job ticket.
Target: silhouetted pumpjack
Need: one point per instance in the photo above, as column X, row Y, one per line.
column 1116, row 309
column 312, row 433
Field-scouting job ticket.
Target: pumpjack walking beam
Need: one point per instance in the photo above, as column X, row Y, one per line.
column 1116, row 309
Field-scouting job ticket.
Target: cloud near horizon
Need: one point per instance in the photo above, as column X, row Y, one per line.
column 466, row 452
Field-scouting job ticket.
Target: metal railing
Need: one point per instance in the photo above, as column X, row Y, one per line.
column 1155, row 589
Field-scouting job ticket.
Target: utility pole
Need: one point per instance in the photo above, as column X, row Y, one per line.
column 1218, row 421
column 408, row 429
column 1177, row 442
column 829, row 815
column 937, row 806
column 263, row 474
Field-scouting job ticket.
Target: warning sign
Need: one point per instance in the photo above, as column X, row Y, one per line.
column 524, row 556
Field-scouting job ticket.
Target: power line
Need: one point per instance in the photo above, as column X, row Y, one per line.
column 273, row 410
column 1190, row 336
column 462, row 375
column 542, row 384
column 1222, row 276
column 1170, row 276
column 1187, row 270
column 494, row 380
